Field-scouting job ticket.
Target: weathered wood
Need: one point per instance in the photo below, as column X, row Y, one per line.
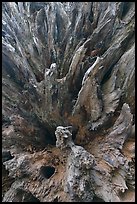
column 69, row 64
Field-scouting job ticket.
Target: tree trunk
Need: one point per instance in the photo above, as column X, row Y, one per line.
column 68, row 64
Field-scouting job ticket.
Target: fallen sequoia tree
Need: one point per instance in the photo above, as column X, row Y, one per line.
column 68, row 101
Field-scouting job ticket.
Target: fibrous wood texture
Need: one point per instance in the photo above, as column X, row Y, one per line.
column 68, row 97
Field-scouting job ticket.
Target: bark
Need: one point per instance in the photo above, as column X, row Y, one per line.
column 68, row 101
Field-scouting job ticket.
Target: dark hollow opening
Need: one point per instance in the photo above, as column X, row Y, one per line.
column 47, row 171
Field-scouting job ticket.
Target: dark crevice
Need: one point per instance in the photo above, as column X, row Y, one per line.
column 37, row 6
column 74, row 133
column 74, row 15
column 90, row 17
column 6, row 155
column 5, row 121
column 55, row 199
column 107, row 75
column 76, row 85
column 97, row 199
column 125, row 47
column 43, row 131
column 24, row 196
column 9, row 67
column 126, row 7
column 48, row 136
column 39, row 77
